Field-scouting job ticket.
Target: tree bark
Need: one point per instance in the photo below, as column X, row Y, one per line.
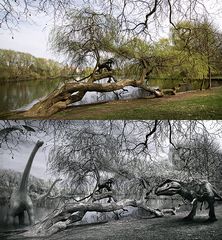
column 209, row 77
column 108, row 194
column 70, row 213
column 42, row 197
column 202, row 84
column 72, row 92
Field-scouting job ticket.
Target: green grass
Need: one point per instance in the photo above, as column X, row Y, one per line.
column 190, row 105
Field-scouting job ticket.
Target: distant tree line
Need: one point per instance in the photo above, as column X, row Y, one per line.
column 17, row 66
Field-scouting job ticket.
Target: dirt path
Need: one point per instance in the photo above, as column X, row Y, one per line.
column 166, row 228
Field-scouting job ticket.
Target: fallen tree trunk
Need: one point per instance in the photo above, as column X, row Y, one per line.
column 71, row 213
column 72, row 92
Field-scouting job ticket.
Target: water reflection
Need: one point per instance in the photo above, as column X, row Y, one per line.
column 22, row 95
column 15, row 95
column 127, row 93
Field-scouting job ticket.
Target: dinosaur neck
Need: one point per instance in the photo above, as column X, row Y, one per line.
column 186, row 194
column 25, row 176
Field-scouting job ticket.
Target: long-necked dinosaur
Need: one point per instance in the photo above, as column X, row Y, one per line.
column 194, row 191
column 20, row 200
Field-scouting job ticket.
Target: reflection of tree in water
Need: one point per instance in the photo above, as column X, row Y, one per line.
column 15, row 95
column 126, row 93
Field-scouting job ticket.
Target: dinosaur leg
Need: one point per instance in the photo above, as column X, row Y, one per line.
column 201, row 206
column 10, row 219
column 30, row 212
column 21, row 218
column 212, row 216
column 193, row 211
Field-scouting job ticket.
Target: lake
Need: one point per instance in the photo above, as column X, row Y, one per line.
column 21, row 95
column 16, row 95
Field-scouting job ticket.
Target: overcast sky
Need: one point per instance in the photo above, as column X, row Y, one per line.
column 30, row 38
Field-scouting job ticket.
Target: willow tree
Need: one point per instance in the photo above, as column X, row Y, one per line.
column 199, row 38
column 86, row 37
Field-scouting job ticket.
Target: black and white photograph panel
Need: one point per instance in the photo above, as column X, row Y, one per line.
column 159, row 179
column 110, row 59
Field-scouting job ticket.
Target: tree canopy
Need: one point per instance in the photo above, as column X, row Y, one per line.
column 133, row 15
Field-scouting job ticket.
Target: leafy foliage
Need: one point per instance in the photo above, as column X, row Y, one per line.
column 199, row 38
column 85, row 35
column 19, row 66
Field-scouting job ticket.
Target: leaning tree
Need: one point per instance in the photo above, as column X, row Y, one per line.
column 86, row 37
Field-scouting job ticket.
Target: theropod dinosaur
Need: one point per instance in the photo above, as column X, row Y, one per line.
column 194, row 191
column 20, row 201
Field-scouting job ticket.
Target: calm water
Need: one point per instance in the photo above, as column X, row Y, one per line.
column 22, row 95
column 19, row 94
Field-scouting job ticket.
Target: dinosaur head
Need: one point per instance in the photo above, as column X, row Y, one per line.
column 39, row 143
column 169, row 187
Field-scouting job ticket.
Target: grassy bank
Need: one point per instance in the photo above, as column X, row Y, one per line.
column 205, row 104
column 189, row 105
